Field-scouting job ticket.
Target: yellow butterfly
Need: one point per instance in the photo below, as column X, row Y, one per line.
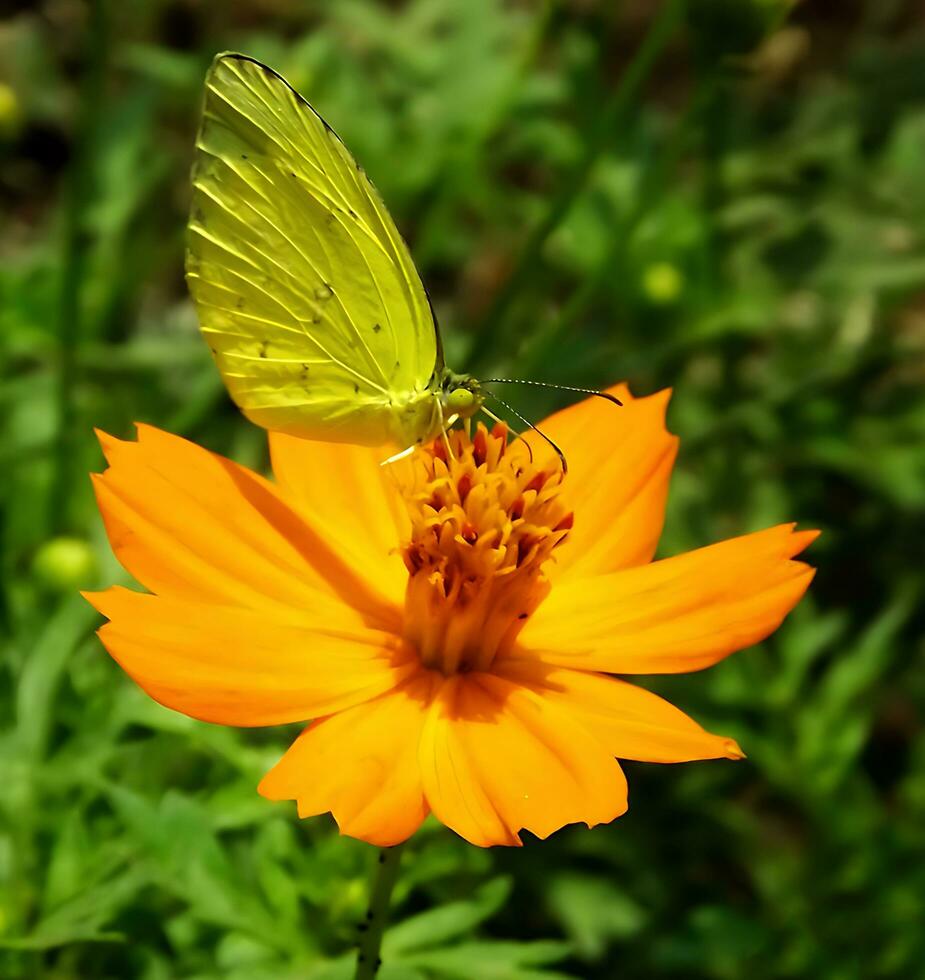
column 305, row 290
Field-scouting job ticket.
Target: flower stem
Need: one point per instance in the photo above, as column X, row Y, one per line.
column 79, row 192
column 376, row 918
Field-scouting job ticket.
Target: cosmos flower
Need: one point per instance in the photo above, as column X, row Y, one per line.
column 450, row 622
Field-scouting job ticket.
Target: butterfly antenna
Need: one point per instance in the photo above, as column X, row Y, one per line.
column 517, row 435
column 537, row 430
column 546, row 384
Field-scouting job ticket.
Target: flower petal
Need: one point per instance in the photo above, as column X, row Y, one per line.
column 239, row 667
column 676, row 615
column 497, row 758
column 364, row 520
column 190, row 523
column 361, row 765
column 619, row 465
column 630, row 721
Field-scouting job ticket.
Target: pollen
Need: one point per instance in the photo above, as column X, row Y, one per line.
column 485, row 520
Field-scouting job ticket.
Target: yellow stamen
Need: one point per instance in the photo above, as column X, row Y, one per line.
column 484, row 520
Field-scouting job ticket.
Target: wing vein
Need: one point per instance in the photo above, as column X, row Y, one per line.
column 266, row 218
column 315, row 341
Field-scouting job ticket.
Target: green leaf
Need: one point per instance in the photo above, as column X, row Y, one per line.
column 435, row 926
column 44, row 665
column 493, row 960
column 594, row 912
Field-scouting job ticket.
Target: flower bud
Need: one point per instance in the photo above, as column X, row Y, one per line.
column 662, row 283
column 10, row 111
column 63, row 564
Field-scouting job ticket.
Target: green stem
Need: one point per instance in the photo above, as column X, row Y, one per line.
column 376, row 918
column 78, row 193
column 491, row 331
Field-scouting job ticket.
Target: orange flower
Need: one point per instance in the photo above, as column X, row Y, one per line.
column 449, row 623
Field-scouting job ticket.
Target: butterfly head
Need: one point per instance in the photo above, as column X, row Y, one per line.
column 460, row 394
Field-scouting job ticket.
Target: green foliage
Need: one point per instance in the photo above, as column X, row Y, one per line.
column 722, row 197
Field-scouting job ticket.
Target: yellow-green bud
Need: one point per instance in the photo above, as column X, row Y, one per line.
column 662, row 283
column 10, row 113
column 63, row 564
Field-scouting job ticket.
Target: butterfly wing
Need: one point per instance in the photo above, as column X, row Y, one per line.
column 305, row 290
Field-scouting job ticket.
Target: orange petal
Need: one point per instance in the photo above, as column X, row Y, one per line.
column 190, row 523
column 619, row 465
column 497, row 758
column 362, row 766
column 630, row 721
column 676, row 615
column 239, row 667
column 351, row 500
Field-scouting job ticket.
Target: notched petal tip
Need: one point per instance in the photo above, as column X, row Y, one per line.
column 498, row 758
column 800, row 540
column 733, row 750
column 102, row 600
column 108, row 444
column 94, row 598
column 110, row 602
column 271, row 788
column 799, row 584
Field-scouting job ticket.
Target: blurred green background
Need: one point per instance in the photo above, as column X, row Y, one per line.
column 725, row 196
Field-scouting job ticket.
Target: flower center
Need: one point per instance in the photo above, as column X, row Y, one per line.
column 484, row 520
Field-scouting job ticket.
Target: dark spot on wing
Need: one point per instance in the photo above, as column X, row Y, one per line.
column 316, row 319
column 263, row 347
column 353, row 213
column 243, row 156
column 239, row 303
column 199, row 216
column 377, row 327
column 356, row 388
column 292, row 173
column 304, row 374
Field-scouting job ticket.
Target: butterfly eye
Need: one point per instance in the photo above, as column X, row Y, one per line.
column 460, row 399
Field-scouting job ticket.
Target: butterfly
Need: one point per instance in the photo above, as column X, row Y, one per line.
column 305, row 291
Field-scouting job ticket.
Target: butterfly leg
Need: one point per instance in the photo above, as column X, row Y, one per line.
column 402, row 455
column 445, row 424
